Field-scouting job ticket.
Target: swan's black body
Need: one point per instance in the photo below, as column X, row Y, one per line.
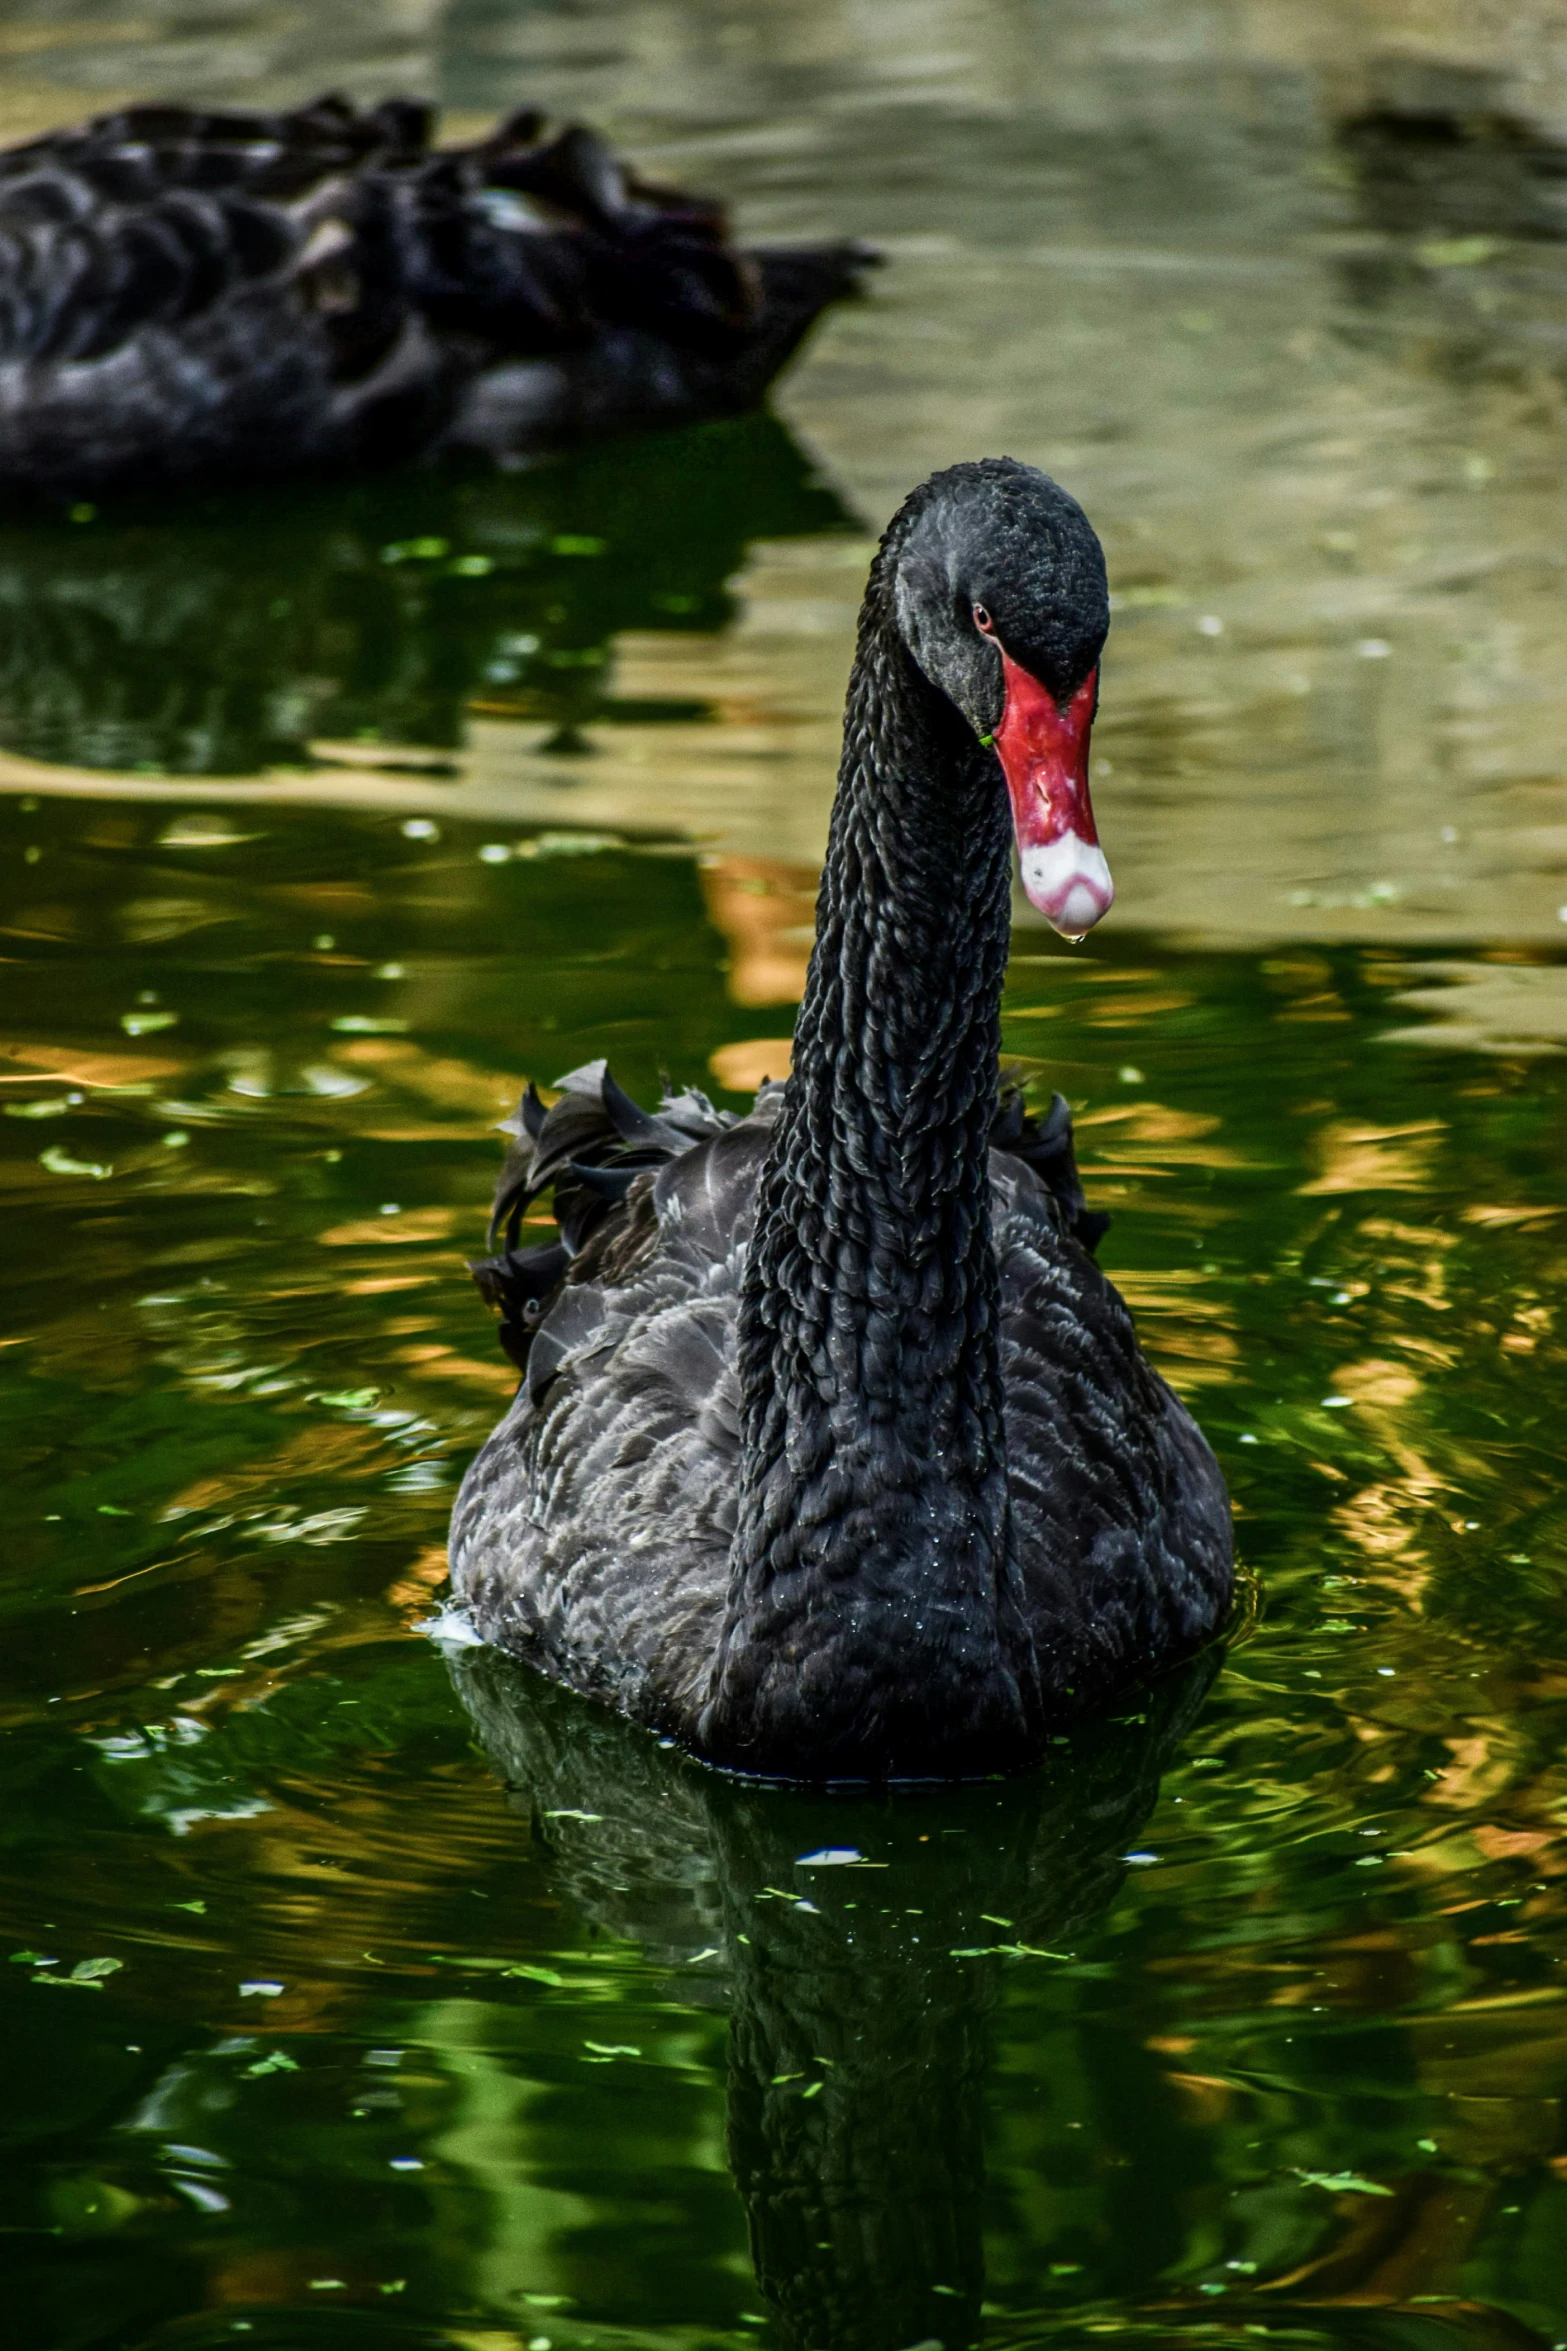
column 196, row 296
column 836, row 1454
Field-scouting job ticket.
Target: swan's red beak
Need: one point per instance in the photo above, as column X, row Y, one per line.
column 1043, row 751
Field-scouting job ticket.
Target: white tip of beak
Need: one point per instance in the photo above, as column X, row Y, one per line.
column 1069, row 881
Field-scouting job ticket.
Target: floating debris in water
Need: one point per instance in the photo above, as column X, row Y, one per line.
column 1343, row 2183
column 451, row 1629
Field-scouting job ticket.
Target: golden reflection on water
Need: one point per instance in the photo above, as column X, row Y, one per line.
column 1323, row 445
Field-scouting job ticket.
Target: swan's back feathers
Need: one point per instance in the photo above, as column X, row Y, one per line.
column 591, row 1146
column 150, row 215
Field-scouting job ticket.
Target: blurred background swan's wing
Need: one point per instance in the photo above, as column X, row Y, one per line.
column 186, row 293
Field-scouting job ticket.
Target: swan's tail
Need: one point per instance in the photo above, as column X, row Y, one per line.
column 794, row 285
column 588, row 1147
column 1045, row 1145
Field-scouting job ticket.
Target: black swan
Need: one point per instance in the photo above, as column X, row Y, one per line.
column 201, row 296
column 835, row 1455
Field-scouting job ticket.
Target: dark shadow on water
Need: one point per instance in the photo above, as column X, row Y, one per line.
column 227, row 634
column 1437, row 154
column 860, row 1982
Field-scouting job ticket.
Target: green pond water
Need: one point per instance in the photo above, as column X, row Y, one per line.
column 411, row 2003
column 414, row 2004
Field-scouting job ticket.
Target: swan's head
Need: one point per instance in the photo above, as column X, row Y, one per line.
column 999, row 592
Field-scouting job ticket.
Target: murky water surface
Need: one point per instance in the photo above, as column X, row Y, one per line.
column 415, row 2005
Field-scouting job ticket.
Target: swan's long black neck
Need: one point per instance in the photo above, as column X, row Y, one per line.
column 873, row 1626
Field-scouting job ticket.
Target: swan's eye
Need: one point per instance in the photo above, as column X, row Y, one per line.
column 983, row 621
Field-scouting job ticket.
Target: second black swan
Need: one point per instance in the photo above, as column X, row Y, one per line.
column 836, row 1456
column 190, row 296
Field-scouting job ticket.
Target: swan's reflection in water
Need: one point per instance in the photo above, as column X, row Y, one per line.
column 245, row 630
column 862, row 1941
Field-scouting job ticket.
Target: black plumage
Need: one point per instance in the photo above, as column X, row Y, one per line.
column 190, row 296
column 836, row 1454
